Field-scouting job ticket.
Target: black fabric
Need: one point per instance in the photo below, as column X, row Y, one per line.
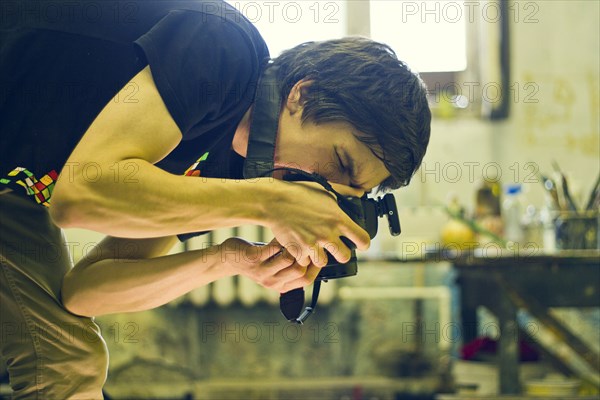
column 260, row 159
column 222, row 162
column 61, row 62
column 291, row 304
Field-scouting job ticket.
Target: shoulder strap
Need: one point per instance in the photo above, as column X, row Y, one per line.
column 263, row 128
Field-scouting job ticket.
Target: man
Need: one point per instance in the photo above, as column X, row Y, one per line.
column 129, row 106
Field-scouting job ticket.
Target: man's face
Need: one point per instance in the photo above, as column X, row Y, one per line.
column 329, row 149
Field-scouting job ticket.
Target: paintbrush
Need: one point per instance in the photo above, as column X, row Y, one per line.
column 594, row 201
column 550, row 187
column 570, row 204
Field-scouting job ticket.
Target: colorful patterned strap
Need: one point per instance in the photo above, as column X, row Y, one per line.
column 40, row 189
column 194, row 169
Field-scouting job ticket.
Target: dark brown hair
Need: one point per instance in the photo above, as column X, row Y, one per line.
column 362, row 82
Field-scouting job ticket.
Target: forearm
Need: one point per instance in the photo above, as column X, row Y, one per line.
column 155, row 203
column 117, row 285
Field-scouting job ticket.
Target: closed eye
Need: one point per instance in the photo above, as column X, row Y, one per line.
column 345, row 170
column 342, row 166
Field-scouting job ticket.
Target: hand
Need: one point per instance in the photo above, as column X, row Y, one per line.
column 307, row 220
column 270, row 265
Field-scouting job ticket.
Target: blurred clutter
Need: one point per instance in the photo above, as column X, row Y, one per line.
column 503, row 217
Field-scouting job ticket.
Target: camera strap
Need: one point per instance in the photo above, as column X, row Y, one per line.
column 290, row 303
column 313, row 303
column 264, row 125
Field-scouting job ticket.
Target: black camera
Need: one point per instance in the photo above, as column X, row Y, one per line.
column 365, row 212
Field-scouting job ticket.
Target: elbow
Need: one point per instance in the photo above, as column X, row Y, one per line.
column 61, row 213
column 62, row 204
column 74, row 299
column 68, row 204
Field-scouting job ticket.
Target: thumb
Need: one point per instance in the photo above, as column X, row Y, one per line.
column 347, row 190
column 270, row 249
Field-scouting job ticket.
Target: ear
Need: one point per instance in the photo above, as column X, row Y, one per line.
column 297, row 96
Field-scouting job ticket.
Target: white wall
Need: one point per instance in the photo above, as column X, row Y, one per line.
column 554, row 116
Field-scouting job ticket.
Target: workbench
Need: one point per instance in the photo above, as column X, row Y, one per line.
column 534, row 281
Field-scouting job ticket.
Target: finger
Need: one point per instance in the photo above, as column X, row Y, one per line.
column 291, row 273
column 269, row 250
column 304, row 260
column 318, row 256
column 274, row 242
column 301, row 254
column 353, row 231
column 309, row 277
column 339, row 251
column 311, row 273
column 278, row 262
column 357, row 235
column 258, row 253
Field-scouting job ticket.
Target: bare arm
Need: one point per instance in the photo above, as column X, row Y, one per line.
column 126, row 275
column 109, row 183
column 122, row 275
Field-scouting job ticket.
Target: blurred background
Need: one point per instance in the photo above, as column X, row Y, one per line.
column 514, row 89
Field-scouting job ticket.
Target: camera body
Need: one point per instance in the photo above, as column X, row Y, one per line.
column 365, row 212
